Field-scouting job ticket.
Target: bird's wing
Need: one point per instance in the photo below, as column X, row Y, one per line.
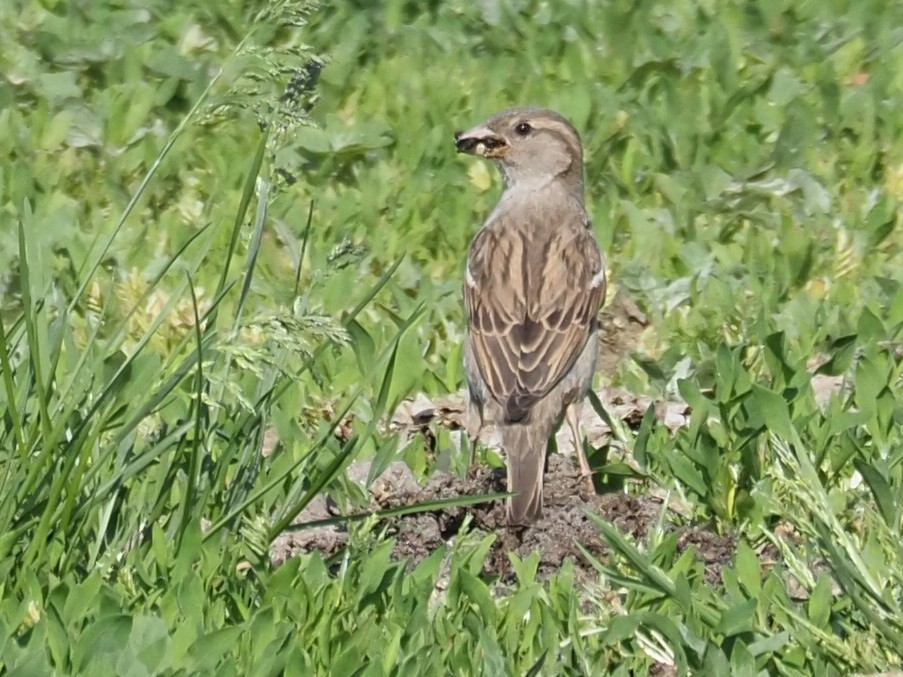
column 531, row 296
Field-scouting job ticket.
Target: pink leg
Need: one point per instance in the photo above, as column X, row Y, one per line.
column 572, row 414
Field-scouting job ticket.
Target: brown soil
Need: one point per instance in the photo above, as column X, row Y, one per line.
column 557, row 536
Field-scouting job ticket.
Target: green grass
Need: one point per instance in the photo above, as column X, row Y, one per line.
column 165, row 299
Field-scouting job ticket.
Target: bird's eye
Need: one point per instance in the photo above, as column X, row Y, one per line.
column 523, row 128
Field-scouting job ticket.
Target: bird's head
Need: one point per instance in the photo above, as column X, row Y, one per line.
column 529, row 144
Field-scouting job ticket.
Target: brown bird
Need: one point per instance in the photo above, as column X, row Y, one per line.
column 534, row 284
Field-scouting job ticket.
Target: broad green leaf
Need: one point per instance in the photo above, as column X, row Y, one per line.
column 742, row 661
column 213, row 647
column 102, row 643
column 738, row 619
column 819, row 604
column 882, row 492
column 642, row 437
column 774, row 410
column 748, row 569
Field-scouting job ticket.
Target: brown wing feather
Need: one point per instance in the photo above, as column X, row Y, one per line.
column 530, row 306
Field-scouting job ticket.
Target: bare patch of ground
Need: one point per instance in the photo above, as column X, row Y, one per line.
column 557, row 536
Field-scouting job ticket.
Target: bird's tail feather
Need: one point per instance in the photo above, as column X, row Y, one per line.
column 525, row 447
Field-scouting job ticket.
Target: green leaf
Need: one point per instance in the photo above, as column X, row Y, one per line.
column 58, row 86
column 882, row 492
column 870, row 381
column 725, row 370
column 478, row 593
column 150, row 644
column 212, row 648
column 738, row 619
column 685, row 471
column 362, row 342
column 870, row 327
column 774, row 410
column 621, row 628
column 83, row 599
column 102, row 643
column 748, row 572
column 642, row 436
column 525, row 569
column 769, row 645
column 376, row 572
column 819, row 604
column 742, row 661
column 313, row 140
column 692, row 395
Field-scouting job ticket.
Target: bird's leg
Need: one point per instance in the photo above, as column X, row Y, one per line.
column 473, row 426
column 471, row 457
column 572, row 414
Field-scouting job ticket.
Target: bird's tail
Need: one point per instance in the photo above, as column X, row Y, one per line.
column 525, row 447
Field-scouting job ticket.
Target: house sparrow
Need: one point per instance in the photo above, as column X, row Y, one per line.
column 534, row 284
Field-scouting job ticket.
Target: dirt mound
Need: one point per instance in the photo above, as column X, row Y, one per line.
column 556, row 536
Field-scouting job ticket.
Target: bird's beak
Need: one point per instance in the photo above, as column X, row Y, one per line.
column 480, row 141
